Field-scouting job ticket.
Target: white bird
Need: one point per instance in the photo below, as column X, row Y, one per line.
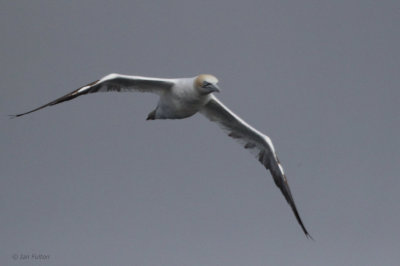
column 184, row 97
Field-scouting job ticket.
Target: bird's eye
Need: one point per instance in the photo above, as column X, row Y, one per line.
column 206, row 84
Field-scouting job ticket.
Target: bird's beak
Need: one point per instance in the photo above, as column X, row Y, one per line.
column 213, row 88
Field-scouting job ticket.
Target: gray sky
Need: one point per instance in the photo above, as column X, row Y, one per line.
column 90, row 182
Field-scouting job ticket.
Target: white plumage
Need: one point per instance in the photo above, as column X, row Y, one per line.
column 184, row 97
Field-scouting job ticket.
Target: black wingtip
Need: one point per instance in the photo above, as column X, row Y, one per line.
column 299, row 220
column 306, row 232
column 13, row 116
column 308, row 235
column 18, row 115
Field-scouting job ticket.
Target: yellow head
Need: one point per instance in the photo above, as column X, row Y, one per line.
column 206, row 83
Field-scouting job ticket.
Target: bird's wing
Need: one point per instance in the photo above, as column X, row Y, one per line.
column 259, row 144
column 114, row 82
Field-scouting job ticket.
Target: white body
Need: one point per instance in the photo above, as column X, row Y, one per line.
column 182, row 101
column 184, row 97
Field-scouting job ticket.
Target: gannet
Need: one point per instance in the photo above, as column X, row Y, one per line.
column 183, row 97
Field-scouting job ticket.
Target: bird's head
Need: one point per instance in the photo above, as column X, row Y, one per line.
column 206, row 84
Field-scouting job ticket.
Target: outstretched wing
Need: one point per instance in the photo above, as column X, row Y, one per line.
column 114, row 82
column 256, row 142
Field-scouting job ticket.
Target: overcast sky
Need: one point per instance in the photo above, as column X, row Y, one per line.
column 90, row 182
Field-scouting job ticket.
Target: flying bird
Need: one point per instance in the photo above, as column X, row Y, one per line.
column 183, row 97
